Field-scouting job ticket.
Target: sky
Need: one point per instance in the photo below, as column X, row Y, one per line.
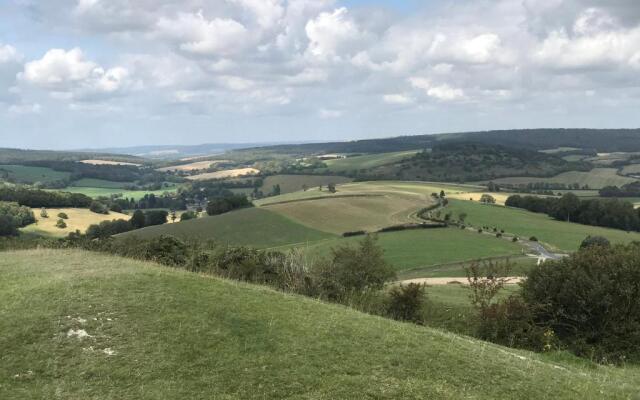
column 105, row 73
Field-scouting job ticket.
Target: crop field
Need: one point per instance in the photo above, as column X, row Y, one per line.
column 79, row 219
column 253, row 227
column 194, row 166
column 30, row 175
column 500, row 198
column 118, row 328
column 595, row 179
column 367, row 161
column 106, row 162
column 295, row 183
column 560, row 235
column 229, row 173
column 412, row 249
column 633, row 169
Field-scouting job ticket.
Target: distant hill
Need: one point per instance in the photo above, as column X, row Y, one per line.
column 11, row 156
column 103, row 327
column 602, row 140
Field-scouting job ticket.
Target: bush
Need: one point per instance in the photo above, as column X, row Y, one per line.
column 44, row 213
column 515, row 239
column 405, row 302
column 188, row 215
column 533, row 239
column 61, row 224
column 98, row 208
column 354, row 233
column 8, row 226
column 595, row 241
column 63, row 215
column 155, row 217
column 498, row 235
column 108, row 228
column 591, row 301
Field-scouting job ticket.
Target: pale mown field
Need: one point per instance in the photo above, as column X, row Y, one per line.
column 79, row 218
column 194, row 166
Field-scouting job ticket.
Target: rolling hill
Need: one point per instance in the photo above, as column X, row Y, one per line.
column 102, row 327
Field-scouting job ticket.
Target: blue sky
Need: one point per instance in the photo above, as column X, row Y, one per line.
column 94, row 73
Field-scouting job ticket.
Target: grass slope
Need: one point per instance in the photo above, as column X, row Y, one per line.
column 172, row 334
column 595, row 179
column 30, row 175
column 248, row 227
column 95, row 192
column 367, row 161
column 294, row 183
column 562, row 235
column 428, row 247
column 99, row 183
column 79, row 218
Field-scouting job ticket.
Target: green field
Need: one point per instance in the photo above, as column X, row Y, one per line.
column 595, row 179
column 107, row 192
column 158, row 333
column 429, row 248
column 633, row 169
column 253, row 227
column 294, row 183
column 564, row 236
column 99, row 183
column 367, row 161
column 30, row 175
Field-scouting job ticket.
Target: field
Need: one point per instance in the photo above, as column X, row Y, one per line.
column 294, row 183
column 30, row 175
column 102, row 327
column 429, row 248
column 595, row 179
column 229, row 173
column 194, row 166
column 500, row 198
column 248, row 227
column 95, row 192
column 79, row 218
column 99, row 183
column 105, row 162
column 367, row 161
column 560, row 235
column 633, row 169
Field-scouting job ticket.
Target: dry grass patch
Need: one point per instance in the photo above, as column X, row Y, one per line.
column 194, row 166
column 79, row 218
column 229, row 173
column 501, row 198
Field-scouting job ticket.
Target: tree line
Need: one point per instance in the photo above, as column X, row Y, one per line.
column 610, row 213
column 14, row 216
column 37, row 198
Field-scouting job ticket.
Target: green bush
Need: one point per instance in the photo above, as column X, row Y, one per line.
column 406, row 302
column 591, row 301
column 188, row 215
column 533, row 239
column 63, row 215
column 98, row 208
column 595, row 241
column 61, row 224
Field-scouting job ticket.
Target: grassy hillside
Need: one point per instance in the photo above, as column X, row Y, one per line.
column 30, row 175
column 596, row 178
column 79, row 218
column 368, row 161
column 99, row 183
column 157, row 333
column 248, row 227
column 562, row 235
column 294, row 183
column 429, row 247
column 107, row 192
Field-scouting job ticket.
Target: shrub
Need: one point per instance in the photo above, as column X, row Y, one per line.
column 98, row 208
column 155, row 217
column 166, row 250
column 137, row 220
column 63, row 215
column 405, row 302
column 515, row 239
column 188, row 215
column 498, row 235
column 108, row 228
column 115, row 207
column 8, row 226
column 595, row 241
column 44, row 213
column 591, row 301
column 533, row 239
column 61, row 224
column 354, row 233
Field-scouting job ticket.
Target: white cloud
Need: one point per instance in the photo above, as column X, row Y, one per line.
column 397, row 99
column 333, row 35
column 68, row 74
column 329, row 114
column 34, row 108
column 9, row 54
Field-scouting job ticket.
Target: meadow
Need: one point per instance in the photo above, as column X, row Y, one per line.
column 102, row 327
column 96, row 192
column 253, row 227
column 367, row 161
column 295, row 183
column 79, row 219
column 594, row 179
column 564, row 236
column 30, row 175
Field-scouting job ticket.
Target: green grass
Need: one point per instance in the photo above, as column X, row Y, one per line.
column 95, row 192
column 99, row 183
column 410, row 249
column 179, row 335
column 595, row 179
column 294, row 183
column 456, row 269
column 30, row 175
column 631, row 169
column 253, row 227
column 561, row 235
column 367, row 161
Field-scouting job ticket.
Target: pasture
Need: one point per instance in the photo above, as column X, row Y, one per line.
column 564, row 236
column 79, row 219
column 253, row 227
column 594, row 179
column 99, row 183
column 118, row 328
column 31, row 175
column 295, row 183
column 367, row 161
column 95, row 192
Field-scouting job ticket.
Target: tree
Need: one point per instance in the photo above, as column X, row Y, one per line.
column 566, row 207
column 487, row 199
column 331, row 187
column 61, row 224
column 173, row 215
column 63, row 215
column 8, row 226
column 462, row 217
column 44, row 213
column 98, row 208
column 138, row 220
column 188, row 215
column 442, row 194
column 595, row 241
column 155, row 217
